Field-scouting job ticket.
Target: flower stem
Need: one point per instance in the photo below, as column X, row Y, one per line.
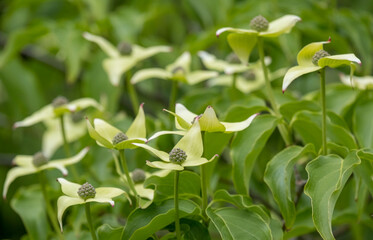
column 126, row 172
column 176, row 202
column 323, row 107
column 51, row 214
column 281, row 126
column 89, row 220
column 63, row 132
column 204, row 186
column 174, row 90
column 132, row 93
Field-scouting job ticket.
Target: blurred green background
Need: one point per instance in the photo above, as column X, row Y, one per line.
column 43, row 55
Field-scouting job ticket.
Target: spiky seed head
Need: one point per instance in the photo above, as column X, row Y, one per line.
column 177, row 155
column 318, row 55
column 249, row 75
column 138, row 175
column 233, row 58
column 77, row 116
column 39, row 159
column 259, row 23
column 87, row 191
column 120, row 137
column 59, row 101
column 125, row 48
column 178, row 71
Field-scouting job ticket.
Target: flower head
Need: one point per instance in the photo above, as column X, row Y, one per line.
column 313, row 57
column 120, row 62
column 57, row 108
column 242, row 41
column 362, row 83
column 32, row 164
column 208, row 122
column 186, row 153
column 76, row 194
column 177, row 71
column 109, row 136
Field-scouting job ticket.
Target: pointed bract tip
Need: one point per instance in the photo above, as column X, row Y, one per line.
column 283, row 91
column 86, row 118
column 142, row 104
column 15, row 125
column 4, row 197
column 112, row 203
column 209, row 106
column 216, row 155
column 329, row 39
column 164, row 109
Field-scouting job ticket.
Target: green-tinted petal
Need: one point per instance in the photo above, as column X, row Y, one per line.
column 304, row 57
column 209, row 122
column 15, row 173
column 38, row 116
column 128, row 144
column 157, row 134
column 144, row 192
column 184, row 113
column 106, row 46
column 105, row 130
column 101, row 200
column 96, row 136
column 108, row 192
column 242, row 45
column 137, row 128
column 183, row 61
column 180, row 122
column 165, row 165
column 238, row 126
column 83, row 103
column 338, row 60
column 162, row 155
column 211, row 62
column 296, row 72
column 141, row 53
column 63, row 203
column 115, row 67
column 235, row 30
column 23, row 160
column 150, row 73
column 362, row 83
column 197, row 161
column 199, row 76
column 191, row 143
column 61, row 163
column 69, row 188
column 52, row 138
column 280, row 26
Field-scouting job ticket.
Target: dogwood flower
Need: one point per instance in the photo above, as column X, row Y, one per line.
column 208, row 121
column 362, row 83
column 57, row 108
column 242, row 41
column 32, row 164
column 313, row 57
column 76, row 194
column 117, row 63
column 109, row 136
column 186, row 153
column 177, row 71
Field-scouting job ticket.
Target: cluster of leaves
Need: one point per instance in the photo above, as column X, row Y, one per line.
column 258, row 188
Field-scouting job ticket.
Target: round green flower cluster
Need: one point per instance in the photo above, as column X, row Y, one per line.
column 138, row 175
column 39, row 159
column 259, row 23
column 177, row 155
column 318, row 55
column 59, row 101
column 87, row 191
column 120, row 137
column 125, row 48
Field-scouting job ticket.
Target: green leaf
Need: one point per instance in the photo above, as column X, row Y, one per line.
column 278, row 177
column 327, row 176
column 189, row 185
column 194, row 230
column 106, row 232
column 246, row 147
column 242, row 45
column 362, row 123
column 365, row 169
column 288, row 110
column 237, row 224
column 142, row 223
column 28, row 203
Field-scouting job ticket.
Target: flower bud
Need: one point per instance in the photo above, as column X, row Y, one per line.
column 138, row 175
column 59, row 101
column 39, row 159
column 259, row 23
column 86, row 191
column 177, row 155
column 318, row 55
column 125, row 48
column 120, row 137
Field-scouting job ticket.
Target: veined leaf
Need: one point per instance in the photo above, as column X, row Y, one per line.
column 278, row 177
column 327, row 176
column 142, row 223
column 362, row 123
column 246, row 147
column 107, row 232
